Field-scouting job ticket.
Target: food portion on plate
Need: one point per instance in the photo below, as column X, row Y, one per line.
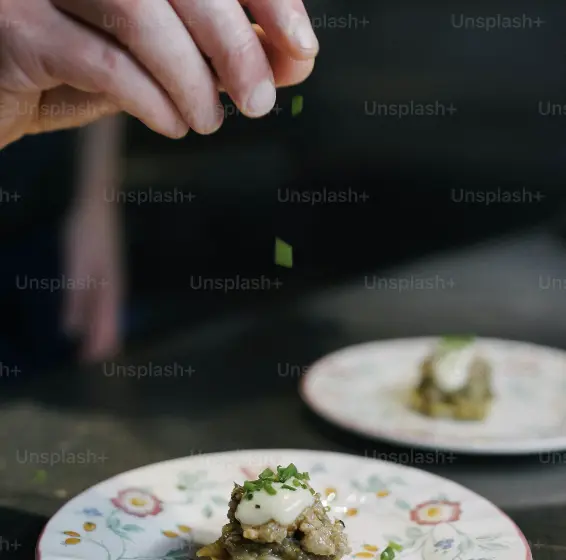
column 279, row 516
column 455, row 382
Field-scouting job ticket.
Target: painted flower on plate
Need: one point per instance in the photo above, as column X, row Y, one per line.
column 435, row 512
column 137, row 502
column 92, row 512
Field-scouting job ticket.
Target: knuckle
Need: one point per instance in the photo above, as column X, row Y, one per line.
column 102, row 64
column 244, row 42
column 125, row 20
column 235, row 53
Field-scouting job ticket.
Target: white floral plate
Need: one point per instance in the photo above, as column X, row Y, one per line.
column 364, row 388
column 163, row 511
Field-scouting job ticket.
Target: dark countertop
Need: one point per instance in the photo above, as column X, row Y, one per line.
column 129, row 422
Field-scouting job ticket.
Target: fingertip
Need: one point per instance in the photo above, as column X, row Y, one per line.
column 303, row 41
column 177, row 131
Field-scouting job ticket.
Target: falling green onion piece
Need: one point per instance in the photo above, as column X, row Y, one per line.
column 297, row 105
column 283, row 254
column 40, row 477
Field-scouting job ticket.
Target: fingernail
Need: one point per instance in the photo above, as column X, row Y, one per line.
column 262, row 100
column 181, row 130
column 302, row 32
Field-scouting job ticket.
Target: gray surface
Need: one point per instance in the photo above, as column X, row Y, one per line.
column 236, row 398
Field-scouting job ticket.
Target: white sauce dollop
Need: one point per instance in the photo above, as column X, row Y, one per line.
column 283, row 507
column 452, row 368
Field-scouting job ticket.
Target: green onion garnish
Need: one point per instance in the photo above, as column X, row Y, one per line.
column 268, row 477
column 390, row 552
column 267, row 473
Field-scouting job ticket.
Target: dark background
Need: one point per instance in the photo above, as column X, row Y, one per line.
column 412, row 169
column 496, row 144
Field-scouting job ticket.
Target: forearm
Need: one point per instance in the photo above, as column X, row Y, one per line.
column 99, row 165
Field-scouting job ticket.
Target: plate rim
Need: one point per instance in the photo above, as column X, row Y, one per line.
column 522, row 537
column 529, row 447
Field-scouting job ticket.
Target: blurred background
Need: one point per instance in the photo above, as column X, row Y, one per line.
column 484, row 160
column 419, row 177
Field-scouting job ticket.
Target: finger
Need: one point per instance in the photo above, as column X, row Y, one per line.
column 287, row 25
column 156, row 36
column 287, row 71
column 102, row 338
column 225, row 35
column 85, row 60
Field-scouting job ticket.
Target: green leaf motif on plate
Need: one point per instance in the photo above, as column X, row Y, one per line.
column 392, row 538
column 403, row 504
column 113, row 523
column 193, row 483
column 133, row 528
column 177, row 554
column 494, row 546
column 219, row 501
column 207, row 511
column 396, row 480
column 376, row 484
column 465, row 545
column 414, row 533
column 318, row 468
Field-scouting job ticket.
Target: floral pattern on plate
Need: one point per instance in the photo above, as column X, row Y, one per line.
column 164, row 511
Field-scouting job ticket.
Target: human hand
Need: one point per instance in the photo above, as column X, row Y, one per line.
column 93, row 265
column 68, row 62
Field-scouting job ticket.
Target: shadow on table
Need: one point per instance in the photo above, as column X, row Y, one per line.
column 19, row 533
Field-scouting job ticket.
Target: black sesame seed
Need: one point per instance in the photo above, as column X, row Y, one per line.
column 257, row 506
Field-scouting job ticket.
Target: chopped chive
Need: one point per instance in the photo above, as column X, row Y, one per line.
column 389, row 552
column 265, row 480
column 270, row 490
column 267, row 473
column 312, row 491
column 287, row 487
